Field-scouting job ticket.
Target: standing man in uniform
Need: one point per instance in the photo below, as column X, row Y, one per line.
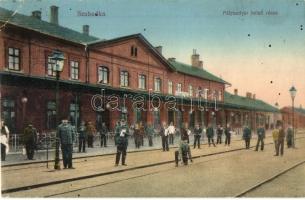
column 247, row 136
column 260, row 137
column 82, row 137
column 30, row 140
column 150, row 134
column 103, row 134
column 281, row 139
column 164, row 137
column 289, row 136
column 91, row 131
column 197, row 135
column 210, row 135
column 228, row 135
column 121, row 138
column 66, row 136
column 219, row 134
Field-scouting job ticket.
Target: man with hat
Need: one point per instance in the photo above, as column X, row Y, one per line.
column 66, row 135
column 247, row 136
column 184, row 152
column 30, row 140
column 121, row 138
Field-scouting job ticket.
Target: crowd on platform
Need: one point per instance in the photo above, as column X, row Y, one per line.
column 86, row 132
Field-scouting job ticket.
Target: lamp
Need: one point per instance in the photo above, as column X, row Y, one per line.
column 293, row 93
column 58, row 58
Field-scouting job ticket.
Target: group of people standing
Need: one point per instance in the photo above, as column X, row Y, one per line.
column 139, row 131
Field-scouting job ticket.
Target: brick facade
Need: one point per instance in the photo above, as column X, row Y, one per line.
column 34, row 50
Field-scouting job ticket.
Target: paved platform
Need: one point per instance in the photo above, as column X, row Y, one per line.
column 41, row 155
column 37, row 173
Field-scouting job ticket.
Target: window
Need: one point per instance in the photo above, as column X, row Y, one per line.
column 51, row 115
column 50, row 67
column 170, row 87
column 134, row 51
column 103, row 75
column 142, row 81
column 157, row 84
column 13, row 59
column 74, row 70
column 9, row 114
column 190, row 90
column 74, row 114
column 179, row 87
column 124, row 76
column 219, row 96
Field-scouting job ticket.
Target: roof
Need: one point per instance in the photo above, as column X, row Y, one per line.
column 32, row 23
column 195, row 71
column 133, row 36
column 289, row 109
column 247, row 103
column 300, row 110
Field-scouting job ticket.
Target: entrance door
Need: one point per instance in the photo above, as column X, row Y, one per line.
column 170, row 116
column 103, row 117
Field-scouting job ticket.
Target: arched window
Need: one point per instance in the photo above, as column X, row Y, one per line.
column 124, row 79
column 103, row 75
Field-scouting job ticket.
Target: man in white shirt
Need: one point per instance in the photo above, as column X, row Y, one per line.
column 171, row 132
column 4, row 140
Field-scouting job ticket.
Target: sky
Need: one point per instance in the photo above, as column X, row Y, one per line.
column 256, row 52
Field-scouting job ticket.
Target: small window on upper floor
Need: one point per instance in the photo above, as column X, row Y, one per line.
column 134, row 51
column 13, row 59
column 103, row 75
column 124, row 79
column 158, row 83
column 74, row 70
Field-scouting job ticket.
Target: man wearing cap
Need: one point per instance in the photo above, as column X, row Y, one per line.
column 247, row 136
column 66, row 135
column 260, row 137
column 210, row 135
column 121, row 138
column 30, row 140
column 197, row 135
column 164, row 136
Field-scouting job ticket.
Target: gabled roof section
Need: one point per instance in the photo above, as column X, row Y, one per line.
column 195, row 71
column 247, row 103
column 138, row 36
column 29, row 22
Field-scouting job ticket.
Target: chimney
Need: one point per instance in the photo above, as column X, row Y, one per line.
column 36, row 14
column 159, row 49
column 172, row 59
column 195, row 60
column 54, row 15
column 86, row 29
column 235, row 91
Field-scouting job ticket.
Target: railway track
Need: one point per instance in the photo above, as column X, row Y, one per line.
column 269, row 179
column 34, row 186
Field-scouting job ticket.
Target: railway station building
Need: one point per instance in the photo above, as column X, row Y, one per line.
column 106, row 80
